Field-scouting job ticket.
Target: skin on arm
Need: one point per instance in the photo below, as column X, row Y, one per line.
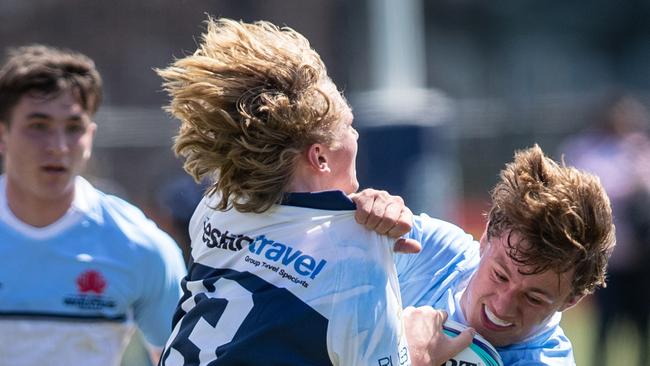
column 387, row 215
column 428, row 345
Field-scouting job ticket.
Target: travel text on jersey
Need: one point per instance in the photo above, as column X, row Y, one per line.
column 303, row 264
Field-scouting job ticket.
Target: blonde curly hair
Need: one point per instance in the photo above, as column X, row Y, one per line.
column 562, row 215
column 250, row 100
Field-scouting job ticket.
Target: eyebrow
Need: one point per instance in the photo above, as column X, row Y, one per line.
column 40, row 115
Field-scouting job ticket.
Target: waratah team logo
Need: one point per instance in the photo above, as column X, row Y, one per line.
column 91, row 281
column 91, row 285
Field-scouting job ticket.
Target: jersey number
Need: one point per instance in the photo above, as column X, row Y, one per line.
column 205, row 336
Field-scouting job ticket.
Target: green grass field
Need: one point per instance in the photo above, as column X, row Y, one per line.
column 579, row 323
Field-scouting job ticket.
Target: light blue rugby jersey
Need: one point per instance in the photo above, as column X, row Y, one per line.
column 71, row 292
column 439, row 274
column 301, row 284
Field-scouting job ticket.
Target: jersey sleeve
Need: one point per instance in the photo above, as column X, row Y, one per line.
column 365, row 325
column 153, row 311
column 448, row 254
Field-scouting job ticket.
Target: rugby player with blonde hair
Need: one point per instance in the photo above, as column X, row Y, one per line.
column 280, row 274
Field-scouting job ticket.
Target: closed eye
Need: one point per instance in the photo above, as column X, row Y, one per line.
column 38, row 125
column 534, row 300
column 500, row 277
column 75, row 127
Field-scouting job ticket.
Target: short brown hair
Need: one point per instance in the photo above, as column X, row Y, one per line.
column 562, row 215
column 48, row 70
column 250, row 100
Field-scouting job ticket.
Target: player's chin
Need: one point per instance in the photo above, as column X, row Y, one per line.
column 354, row 186
column 499, row 339
column 496, row 338
column 351, row 188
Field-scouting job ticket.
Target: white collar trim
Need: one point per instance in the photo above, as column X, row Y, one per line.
column 82, row 206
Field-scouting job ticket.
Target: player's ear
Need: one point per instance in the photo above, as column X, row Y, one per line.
column 93, row 128
column 317, row 158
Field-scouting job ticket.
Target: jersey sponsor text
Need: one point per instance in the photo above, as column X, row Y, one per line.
column 303, row 264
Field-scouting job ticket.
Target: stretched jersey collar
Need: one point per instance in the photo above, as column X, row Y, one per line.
column 326, row 200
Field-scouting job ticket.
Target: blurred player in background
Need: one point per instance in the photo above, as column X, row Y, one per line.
column 617, row 149
column 176, row 199
column 545, row 246
column 280, row 274
column 79, row 268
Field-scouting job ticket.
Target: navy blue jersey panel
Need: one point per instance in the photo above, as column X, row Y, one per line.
column 279, row 329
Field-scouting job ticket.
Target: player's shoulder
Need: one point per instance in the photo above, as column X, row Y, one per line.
column 118, row 217
column 298, row 210
column 446, row 250
column 119, row 208
column 424, row 224
column 440, row 235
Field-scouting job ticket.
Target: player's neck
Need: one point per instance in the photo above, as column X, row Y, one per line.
column 306, row 179
column 37, row 211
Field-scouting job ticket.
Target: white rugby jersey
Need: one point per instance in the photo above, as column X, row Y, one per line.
column 302, row 284
column 71, row 292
